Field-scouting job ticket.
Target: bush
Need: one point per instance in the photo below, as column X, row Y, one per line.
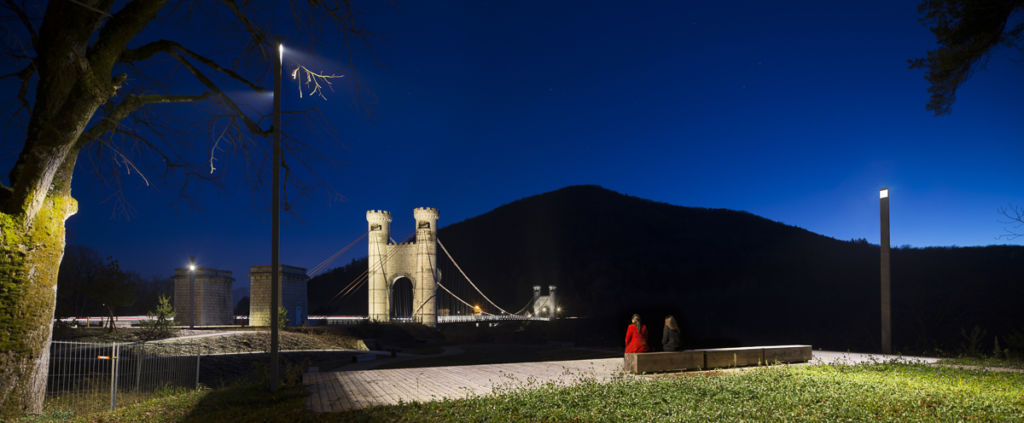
column 282, row 317
column 160, row 324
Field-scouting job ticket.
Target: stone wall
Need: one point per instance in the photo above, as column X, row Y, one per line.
column 292, row 295
column 212, row 297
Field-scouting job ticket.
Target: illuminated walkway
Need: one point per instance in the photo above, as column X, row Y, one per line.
column 338, row 391
column 355, row 389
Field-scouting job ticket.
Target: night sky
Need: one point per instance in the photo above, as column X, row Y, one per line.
column 795, row 111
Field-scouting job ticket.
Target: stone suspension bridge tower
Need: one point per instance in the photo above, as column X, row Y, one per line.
column 390, row 262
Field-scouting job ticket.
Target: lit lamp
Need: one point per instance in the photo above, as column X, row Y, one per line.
column 191, row 292
column 883, row 198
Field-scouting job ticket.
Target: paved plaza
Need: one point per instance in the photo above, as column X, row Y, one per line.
column 355, row 389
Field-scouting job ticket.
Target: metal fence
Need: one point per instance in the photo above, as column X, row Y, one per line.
column 86, row 377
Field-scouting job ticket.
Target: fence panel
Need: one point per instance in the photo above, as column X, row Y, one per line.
column 86, row 377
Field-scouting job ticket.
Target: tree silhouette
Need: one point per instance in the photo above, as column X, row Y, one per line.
column 967, row 31
column 112, row 289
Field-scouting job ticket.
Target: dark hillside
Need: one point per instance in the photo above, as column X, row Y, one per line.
column 730, row 277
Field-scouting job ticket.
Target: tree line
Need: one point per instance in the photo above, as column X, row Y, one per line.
column 90, row 285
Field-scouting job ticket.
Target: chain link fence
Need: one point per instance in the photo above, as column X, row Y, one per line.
column 86, row 377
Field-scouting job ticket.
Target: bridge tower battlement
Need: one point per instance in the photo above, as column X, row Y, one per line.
column 417, row 261
column 379, row 227
column 425, row 272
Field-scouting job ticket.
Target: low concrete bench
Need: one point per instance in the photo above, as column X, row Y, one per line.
column 712, row 358
column 732, row 357
column 787, row 354
column 663, row 361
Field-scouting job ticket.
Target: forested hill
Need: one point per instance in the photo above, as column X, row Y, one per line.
column 730, row 277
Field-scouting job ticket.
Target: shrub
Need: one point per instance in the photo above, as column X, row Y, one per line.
column 971, row 345
column 282, row 317
column 160, row 324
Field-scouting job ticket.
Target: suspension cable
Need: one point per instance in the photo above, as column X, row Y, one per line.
column 358, row 281
column 320, row 267
column 467, row 277
column 460, row 299
column 525, row 306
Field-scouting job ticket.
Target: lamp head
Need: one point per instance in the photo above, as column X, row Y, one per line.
column 883, row 193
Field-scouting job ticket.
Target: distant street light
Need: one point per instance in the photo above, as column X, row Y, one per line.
column 883, row 198
column 191, row 292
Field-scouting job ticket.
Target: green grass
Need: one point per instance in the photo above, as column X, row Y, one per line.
column 1013, row 363
column 877, row 392
column 886, row 392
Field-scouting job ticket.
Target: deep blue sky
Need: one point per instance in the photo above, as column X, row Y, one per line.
column 795, row 111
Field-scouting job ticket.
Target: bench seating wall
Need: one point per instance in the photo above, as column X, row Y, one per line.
column 713, row 358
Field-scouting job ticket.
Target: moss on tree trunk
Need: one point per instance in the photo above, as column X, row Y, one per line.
column 30, row 255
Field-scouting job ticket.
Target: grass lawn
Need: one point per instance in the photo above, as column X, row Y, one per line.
column 885, row 392
column 1006, row 363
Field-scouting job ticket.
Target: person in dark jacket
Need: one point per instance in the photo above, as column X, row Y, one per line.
column 670, row 335
column 636, row 336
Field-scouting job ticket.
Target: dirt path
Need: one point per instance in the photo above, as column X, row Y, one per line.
column 206, row 334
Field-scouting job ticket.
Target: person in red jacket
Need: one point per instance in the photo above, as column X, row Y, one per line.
column 636, row 336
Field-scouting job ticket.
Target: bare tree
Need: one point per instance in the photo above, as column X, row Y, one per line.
column 1014, row 222
column 89, row 80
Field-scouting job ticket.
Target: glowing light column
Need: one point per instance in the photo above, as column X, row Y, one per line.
column 192, row 293
column 883, row 197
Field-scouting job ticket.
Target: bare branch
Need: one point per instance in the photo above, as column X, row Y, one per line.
column 305, row 76
column 1015, row 222
column 169, row 47
column 129, row 105
column 213, row 149
column 87, row 7
column 23, row 17
column 25, row 75
column 120, row 159
column 249, row 124
column 258, row 36
column 114, row 36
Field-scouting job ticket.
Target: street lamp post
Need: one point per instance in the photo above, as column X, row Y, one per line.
column 883, row 197
column 275, row 242
column 191, row 292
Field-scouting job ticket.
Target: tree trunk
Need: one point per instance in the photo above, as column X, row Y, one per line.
column 111, row 319
column 30, row 256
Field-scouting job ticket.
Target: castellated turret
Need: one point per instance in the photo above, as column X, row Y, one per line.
column 426, row 222
column 379, row 227
column 379, row 224
column 389, row 263
column 424, row 303
column 553, row 300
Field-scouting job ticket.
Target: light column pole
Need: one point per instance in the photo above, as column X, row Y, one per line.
column 883, row 198
column 275, row 242
column 192, row 292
